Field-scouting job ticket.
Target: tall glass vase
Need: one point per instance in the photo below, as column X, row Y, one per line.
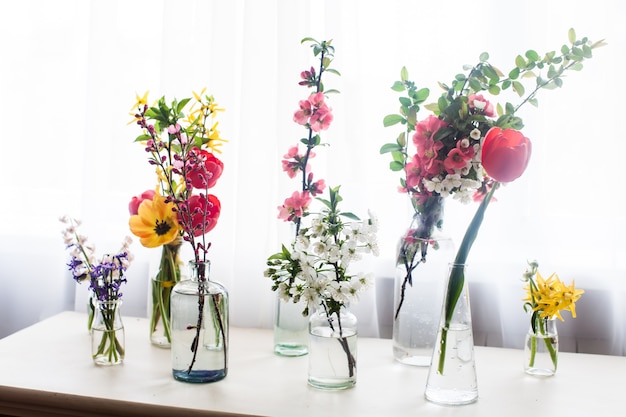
column 541, row 350
column 161, row 286
column 291, row 329
column 452, row 374
column 199, row 321
column 107, row 333
column 332, row 349
column 423, row 255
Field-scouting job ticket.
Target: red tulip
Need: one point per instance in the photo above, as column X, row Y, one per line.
column 505, row 154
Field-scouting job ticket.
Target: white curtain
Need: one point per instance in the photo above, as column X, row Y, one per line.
column 71, row 68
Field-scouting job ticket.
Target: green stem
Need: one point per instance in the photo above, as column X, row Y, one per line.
column 457, row 273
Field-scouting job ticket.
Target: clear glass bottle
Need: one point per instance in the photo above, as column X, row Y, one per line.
column 332, row 349
column 107, row 333
column 199, row 321
column 291, row 328
column 541, row 350
column 423, row 256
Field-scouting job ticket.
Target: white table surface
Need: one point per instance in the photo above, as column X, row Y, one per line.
column 46, row 369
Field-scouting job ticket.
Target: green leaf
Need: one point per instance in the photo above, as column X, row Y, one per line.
column 390, row 147
column 308, row 40
column 490, row 73
column 484, row 57
column 518, row 88
column 571, row 36
column 577, row 66
column 332, row 91
column 396, row 166
column 405, row 101
column 398, row 156
column 401, row 140
column 392, row 119
column 520, row 62
column 404, row 74
column 142, row 138
column 494, row 89
column 332, row 71
column 349, row 215
column 532, row 55
column 514, row 73
column 422, row 94
column 475, row 84
column 534, row 102
column 398, row 86
column 182, row 104
column 411, row 118
column 326, row 62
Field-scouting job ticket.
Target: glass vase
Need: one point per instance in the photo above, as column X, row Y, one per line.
column 541, row 349
column 199, row 324
column 332, row 349
column 107, row 333
column 452, row 374
column 423, row 255
column 290, row 328
column 161, row 286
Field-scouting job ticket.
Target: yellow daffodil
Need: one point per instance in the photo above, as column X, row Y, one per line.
column 155, row 223
column 551, row 296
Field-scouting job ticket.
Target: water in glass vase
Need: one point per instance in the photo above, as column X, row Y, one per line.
column 208, row 363
column 329, row 366
column 457, row 385
column 291, row 336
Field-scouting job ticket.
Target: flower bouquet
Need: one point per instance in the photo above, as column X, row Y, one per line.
column 468, row 147
column 105, row 279
column 545, row 299
column 181, row 139
column 314, row 267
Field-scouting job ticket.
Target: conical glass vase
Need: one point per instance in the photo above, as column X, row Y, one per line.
column 199, row 320
column 452, row 374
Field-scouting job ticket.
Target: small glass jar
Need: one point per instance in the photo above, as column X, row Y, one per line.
column 332, row 349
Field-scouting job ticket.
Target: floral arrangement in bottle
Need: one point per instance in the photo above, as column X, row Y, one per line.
column 181, row 139
column 105, row 278
column 315, row 266
column 545, row 299
column 468, row 146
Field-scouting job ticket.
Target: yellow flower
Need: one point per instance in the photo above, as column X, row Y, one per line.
column 551, row 296
column 155, row 223
column 141, row 101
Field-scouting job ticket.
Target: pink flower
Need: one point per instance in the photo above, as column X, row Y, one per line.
column 203, row 211
column 301, row 116
column 135, row 202
column 292, row 163
column 455, row 161
column 314, row 112
column 173, row 129
column 321, row 118
column 413, row 174
column 294, row 206
column 427, row 128
column 205, row 169
column 316, row 187
column 479, row 104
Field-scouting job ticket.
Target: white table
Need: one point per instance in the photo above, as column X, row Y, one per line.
column 46, row 370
